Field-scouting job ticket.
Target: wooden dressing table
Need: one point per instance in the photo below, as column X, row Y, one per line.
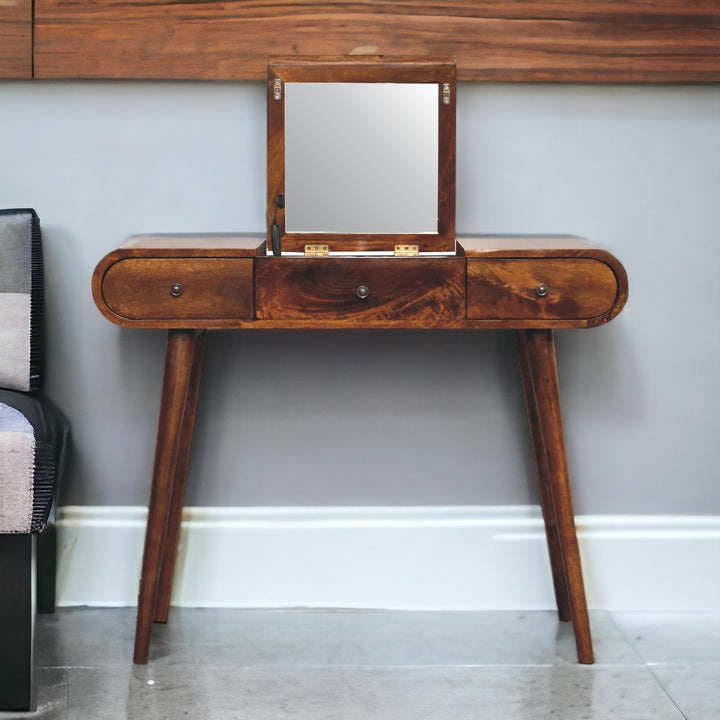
column 358, row 239
column 188, row 285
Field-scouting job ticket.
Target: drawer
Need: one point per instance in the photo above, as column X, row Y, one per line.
column 539, row 288
column 372, row 290
column 180, row 288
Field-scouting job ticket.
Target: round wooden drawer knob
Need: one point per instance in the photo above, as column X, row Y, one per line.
column 362, row 291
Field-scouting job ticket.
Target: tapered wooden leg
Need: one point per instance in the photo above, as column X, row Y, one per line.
column 179, row 363
column 546, row 498
column 172, row 532
column 541, row 368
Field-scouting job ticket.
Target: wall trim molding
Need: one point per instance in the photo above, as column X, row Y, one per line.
column 389, row 557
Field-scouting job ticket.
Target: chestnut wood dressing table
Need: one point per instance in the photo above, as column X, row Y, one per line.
column 358, row 240
column 188, row 285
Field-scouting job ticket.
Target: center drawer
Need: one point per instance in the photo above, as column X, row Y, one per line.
column 375, row 290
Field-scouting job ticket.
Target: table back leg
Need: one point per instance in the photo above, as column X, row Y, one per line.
column 546, row 499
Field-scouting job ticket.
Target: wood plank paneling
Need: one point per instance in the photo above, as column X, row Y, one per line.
column 16, row 39
column 521, row 40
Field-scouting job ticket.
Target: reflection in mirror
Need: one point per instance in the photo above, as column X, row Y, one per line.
column 361, row 157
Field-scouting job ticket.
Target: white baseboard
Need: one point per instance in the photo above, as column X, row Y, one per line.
column 378, row 557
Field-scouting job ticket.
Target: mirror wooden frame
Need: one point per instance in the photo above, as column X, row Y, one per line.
column 360, row 70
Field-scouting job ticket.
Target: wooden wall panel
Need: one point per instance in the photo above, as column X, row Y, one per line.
column 510, row 40
column 16, row 39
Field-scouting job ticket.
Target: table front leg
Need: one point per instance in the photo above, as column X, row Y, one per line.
column 539, row 364
column 180, row 360
column 172, row 532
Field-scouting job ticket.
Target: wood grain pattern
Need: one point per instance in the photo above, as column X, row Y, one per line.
column 214, row 288
column 325, row 289
column 16, row 39
column 411, row 289
column 507, row 289
column 126, row 295
column 547, row 247
column 504, row 40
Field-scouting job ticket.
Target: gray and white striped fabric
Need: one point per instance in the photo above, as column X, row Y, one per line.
column 27, row 475
column 21, row 299
column 17, row 464
column 27, row 462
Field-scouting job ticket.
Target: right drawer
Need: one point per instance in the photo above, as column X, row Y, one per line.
column 539, row 288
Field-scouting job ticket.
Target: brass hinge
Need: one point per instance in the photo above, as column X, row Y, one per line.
column 407, row 250
column 317, row 250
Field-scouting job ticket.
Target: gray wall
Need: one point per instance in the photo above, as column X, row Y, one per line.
column 398, row 417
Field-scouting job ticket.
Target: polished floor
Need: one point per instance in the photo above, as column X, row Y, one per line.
column 384, row 665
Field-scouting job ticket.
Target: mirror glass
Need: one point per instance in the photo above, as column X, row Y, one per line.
column 361, row 157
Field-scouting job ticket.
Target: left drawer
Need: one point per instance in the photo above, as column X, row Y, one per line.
column 178, row 289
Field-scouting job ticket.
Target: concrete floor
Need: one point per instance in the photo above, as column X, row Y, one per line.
column 352, row 665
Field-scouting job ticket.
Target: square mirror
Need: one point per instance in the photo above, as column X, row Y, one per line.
column 361, row 154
